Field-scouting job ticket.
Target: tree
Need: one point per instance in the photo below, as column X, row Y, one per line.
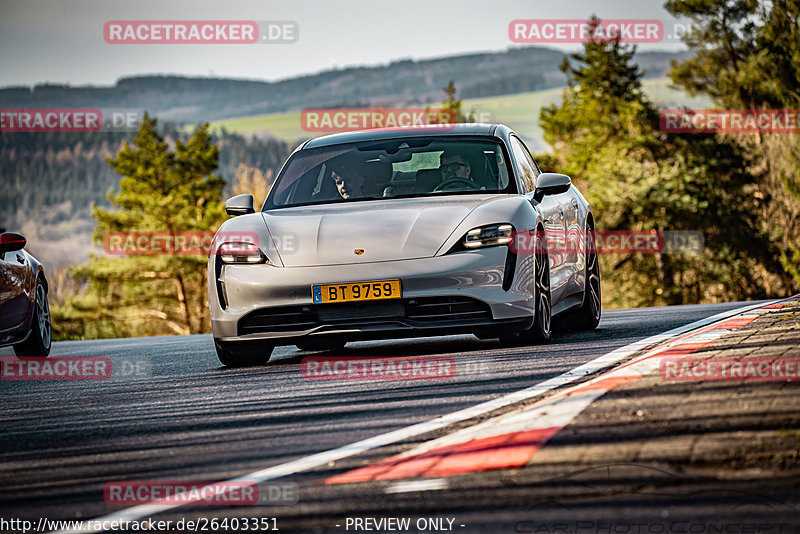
column 163, row 191
column 451, row 105
column 603, row 107
column 747, row 52
column 605, row 134
column 250, row 180
column 747, row 55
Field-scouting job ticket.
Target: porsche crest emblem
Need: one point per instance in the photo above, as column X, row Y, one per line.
column 358, row 251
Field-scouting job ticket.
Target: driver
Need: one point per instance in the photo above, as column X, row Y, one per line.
column 344, row 174
column 348, row 185
column 453, row 165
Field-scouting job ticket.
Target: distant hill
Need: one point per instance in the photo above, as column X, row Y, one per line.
column 405, row 82
column 519, row 111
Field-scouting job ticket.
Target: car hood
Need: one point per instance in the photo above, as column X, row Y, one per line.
column 384, row 230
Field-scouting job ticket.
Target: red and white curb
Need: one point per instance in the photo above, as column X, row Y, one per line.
column 512, row 439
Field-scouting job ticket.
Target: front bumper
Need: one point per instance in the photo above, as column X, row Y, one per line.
column 458, row 292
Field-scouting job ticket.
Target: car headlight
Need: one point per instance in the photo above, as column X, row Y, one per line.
column 489, row 236
column 241, row 253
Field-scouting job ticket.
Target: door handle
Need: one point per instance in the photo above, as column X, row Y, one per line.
column 561, row 215
column 20, row 259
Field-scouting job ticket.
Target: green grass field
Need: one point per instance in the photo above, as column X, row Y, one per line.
column 520, row 112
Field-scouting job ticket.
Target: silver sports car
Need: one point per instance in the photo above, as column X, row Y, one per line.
column 391, row 233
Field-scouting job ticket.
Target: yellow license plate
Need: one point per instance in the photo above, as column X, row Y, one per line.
column 356, row 291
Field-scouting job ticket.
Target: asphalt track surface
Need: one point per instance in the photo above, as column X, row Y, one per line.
column 193, row 419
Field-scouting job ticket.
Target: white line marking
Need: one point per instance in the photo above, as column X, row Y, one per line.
column 557, row 413
column 430, row 484
column 323, row 458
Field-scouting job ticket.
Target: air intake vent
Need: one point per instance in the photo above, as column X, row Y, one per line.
column 429, row 309
column 281, row 319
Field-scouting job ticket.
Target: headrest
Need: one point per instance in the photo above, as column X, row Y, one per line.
column 427, row 179
column 378, row 170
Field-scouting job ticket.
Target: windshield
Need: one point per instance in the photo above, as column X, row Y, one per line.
column 413, row 167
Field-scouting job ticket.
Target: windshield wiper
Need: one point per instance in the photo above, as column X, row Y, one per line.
column 437, row 193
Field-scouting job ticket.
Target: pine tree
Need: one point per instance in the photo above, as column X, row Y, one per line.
column 162, row 190
column 451, row 106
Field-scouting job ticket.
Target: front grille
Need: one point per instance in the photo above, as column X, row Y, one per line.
column 282, row 319
column 423, row 311
column 360, row 311
column 446, row 308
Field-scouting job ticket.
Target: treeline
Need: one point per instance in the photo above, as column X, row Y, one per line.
column 405, row 82
column 740, row 190
column 56, row 177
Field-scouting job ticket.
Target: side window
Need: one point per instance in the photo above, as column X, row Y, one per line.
column 525, row 165
column 536, row 169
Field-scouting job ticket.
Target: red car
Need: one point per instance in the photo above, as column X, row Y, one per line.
column 24, row 312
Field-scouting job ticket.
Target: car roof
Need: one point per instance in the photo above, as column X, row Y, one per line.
column 382, row 134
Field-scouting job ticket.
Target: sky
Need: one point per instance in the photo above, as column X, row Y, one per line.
column 61, row 41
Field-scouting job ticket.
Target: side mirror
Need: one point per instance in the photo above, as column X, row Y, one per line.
column 240, row 205
column 9, row 242
column 550, row 183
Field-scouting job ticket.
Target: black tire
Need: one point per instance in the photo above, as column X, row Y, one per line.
column 587, row 317
column 41, row 336
column 541, row 330
column 243, row 354
column 312, row 344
